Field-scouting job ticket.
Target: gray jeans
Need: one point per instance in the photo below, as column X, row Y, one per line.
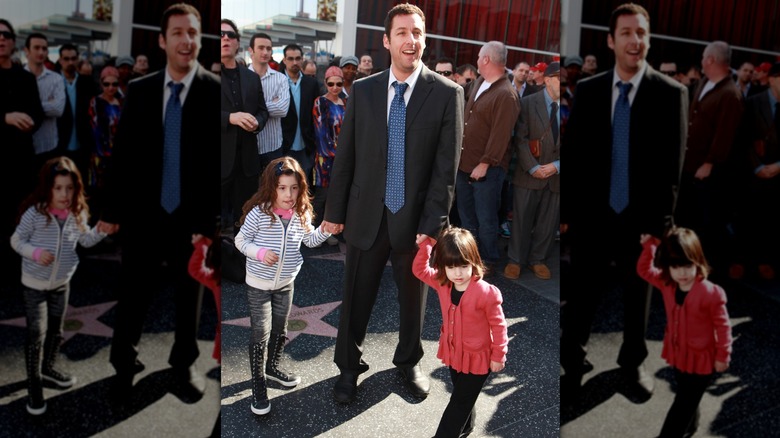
column 268, row 311
column 45, row 311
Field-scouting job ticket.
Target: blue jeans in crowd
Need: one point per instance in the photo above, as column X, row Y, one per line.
column 478, row 204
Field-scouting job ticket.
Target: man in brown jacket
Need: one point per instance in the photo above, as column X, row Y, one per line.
column 714, row 116
column 490, row 115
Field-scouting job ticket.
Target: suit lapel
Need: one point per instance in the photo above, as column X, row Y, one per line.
column 378, row 92
column 421, row 91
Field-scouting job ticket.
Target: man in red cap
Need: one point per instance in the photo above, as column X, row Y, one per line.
column 760, row 78
column 537, row 73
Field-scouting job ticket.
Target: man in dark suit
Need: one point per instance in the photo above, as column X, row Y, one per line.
column 605, row 236
column 297, row 125
column 23, row 114
column 75, row 132
column 357, row 194
column 158, row 220
column 243, row 116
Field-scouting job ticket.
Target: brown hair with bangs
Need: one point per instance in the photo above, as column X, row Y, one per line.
column 456, row 247
column 265, row 196
column 680, row 247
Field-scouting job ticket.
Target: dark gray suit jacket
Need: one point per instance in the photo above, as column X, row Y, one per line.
column 134, row 179
column 434, row 132
column 253, row 103
column 534, row 124
column 657, row 141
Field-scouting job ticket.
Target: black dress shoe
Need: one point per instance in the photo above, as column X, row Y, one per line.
column 638, row 379
column 191, row 379
column 346, row 388
column 416, row 381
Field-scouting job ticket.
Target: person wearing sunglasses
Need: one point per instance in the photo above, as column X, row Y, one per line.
column 23, row 115
column 104, row 111
column 241, row 120
column 328, row 115
column 446, row 68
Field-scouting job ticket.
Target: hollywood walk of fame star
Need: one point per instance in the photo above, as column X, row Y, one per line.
column 78, row 320
column 302, row 320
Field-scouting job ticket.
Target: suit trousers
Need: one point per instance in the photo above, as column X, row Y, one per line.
column 534, row 222
column 599, row 265
column 162, row 254
column 461, row 413
column 363, row 272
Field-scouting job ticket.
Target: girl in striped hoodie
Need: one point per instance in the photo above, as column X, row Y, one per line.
column 53, row 221
column 276, row 220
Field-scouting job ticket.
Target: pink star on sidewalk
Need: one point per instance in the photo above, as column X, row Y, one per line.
column 83, row 320
column 302, row 320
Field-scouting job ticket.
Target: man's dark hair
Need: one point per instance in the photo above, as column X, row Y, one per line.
column 462, row 69
column 68, row 46
column 34, row 35
column 230, row 23
column 401, row 9
column 292, row 47
column 445, row 60
column 177, row 9
column 256, row 36
column 10, row 28
column 627, row 9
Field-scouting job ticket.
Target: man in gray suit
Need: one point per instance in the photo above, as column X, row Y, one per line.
column 357, row 195
column 537, row 183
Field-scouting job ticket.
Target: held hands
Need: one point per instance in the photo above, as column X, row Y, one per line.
column 245, row 121
column 644, row 238
column 331, row 228
column 769, row 171
column 421, row 238
column 496, row 366
column 20, row 121
column 107, row 227
column 270, row 258
column 196, row 237
column 703, row 171
column 45, row 258
column 721, row 366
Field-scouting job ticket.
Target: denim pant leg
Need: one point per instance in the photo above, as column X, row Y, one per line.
column 487, row 201
column 45, row 311
column 268, row 311
column 281, row 303
column 464, row 193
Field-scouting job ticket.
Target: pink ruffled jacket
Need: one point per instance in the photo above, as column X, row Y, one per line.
column 697, row 333
column 474, row 332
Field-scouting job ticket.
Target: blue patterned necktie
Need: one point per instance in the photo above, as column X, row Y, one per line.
column 396, row 141
column 171, row 179
column 618, row 190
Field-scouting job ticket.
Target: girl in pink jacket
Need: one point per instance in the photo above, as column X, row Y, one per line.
column 697, row 337
column 473, row 338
